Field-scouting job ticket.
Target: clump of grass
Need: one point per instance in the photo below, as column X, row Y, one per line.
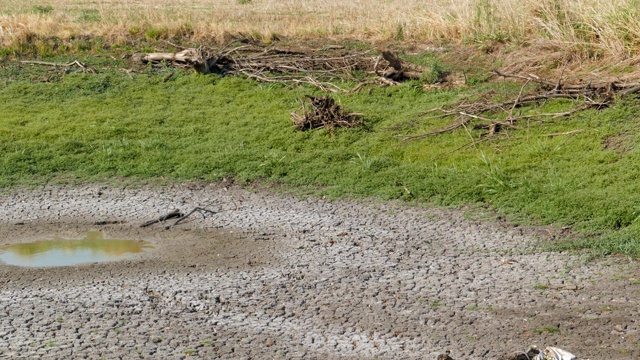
column 155, row 33
column 42, row 9
column 89, row 15
column 547, row 330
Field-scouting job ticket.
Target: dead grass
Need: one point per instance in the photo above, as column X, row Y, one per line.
column 572, row 30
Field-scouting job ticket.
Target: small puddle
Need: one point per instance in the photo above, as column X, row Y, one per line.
column 64, row 252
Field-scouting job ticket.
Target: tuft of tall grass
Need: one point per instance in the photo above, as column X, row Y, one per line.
column 581, row 29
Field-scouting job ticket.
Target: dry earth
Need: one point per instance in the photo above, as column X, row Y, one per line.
column 275, row 276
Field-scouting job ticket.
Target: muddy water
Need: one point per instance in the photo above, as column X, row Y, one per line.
column 64, row 252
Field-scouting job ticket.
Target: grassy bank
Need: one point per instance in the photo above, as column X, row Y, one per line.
column 176, row 125
column 576, row 29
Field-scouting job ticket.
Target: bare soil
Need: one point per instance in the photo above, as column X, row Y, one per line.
column 272, row 275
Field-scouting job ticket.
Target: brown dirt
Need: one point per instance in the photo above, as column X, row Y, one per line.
column 271, row 275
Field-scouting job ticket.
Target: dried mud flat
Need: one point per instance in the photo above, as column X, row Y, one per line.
column 276, row 276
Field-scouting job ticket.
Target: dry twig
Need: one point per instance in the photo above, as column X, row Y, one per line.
column 69, row 64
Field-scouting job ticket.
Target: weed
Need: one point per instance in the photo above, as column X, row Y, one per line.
column 190, row 352
column 42, row 9
column 89, row 15
column 434, row 72
column 547, row 330
column 399, row 32
column 156, row 33
column 495, row 179
column 436, row 304
column 363, row 160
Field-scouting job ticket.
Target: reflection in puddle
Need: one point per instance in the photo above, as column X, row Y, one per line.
column 62, row 252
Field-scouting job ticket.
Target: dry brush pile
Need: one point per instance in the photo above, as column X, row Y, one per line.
column 324, row 68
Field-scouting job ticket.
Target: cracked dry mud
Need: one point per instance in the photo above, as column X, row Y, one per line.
column 275, row 276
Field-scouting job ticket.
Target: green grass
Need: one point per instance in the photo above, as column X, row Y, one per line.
column 76, row 127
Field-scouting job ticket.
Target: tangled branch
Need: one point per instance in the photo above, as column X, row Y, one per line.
column 482, row 114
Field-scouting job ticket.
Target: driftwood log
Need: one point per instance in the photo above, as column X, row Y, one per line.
column 195, row 58
column 397, row 71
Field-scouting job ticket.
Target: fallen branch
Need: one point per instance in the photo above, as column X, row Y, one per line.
column 573, row 132
column 202, row 212
column 69, row 64
column 108, row 222
column 172, row 215
column 73, row 63
column 454, row 126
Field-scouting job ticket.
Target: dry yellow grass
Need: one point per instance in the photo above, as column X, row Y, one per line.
column 579, row 28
